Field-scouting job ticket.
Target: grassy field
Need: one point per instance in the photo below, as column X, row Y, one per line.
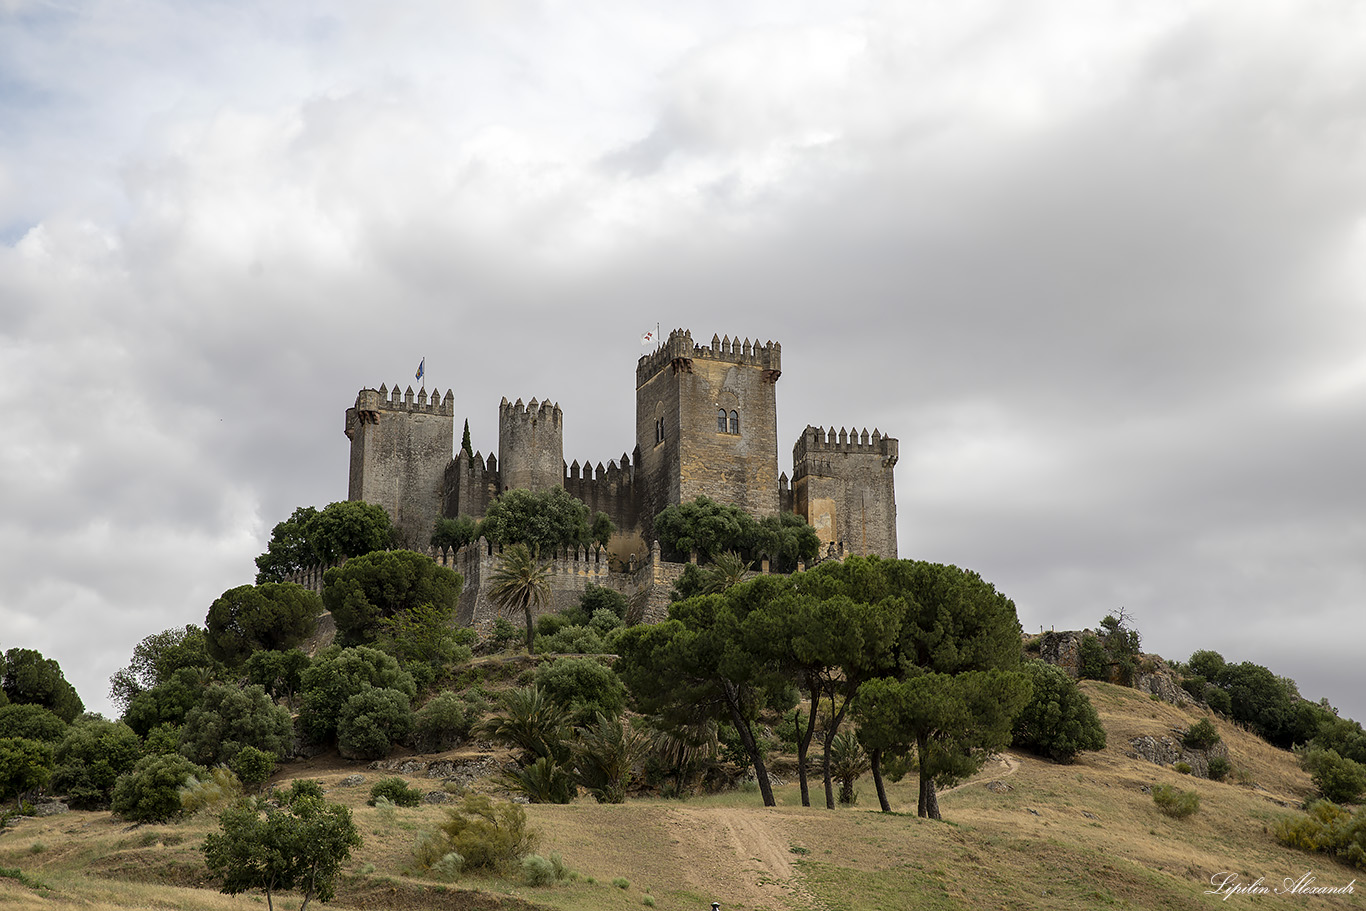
column 1084, row 836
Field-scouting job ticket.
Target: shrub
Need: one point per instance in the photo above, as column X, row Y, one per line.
column 150, row 792
column 253, row 766
column 537, row 871
column 31, row 722
column 1218, row 700
column 442, row 723
column 396, row 791
column 372, row 722
column 1339, row 780
column 91, row 758
column 543, row 781
column 338, row 674
column 449, row 866
column 1218, row 768
column 584, row 686
column 1094, row 662
column 487, row 834
column 572, row 640
column 1174, row 802
column 25, row 765
column 621, row 882
column 504, row 635
column 1183, row 768
column 210, row 792
column 1059, row 722
column 1200, row 736
column 1329, row 829
column 229, row 718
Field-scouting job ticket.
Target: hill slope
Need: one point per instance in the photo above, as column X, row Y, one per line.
column 1042, row 837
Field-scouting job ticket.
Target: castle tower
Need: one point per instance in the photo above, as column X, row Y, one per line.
column 707, row 423
column 400, row 446
column 842, row 485
column 530, row 445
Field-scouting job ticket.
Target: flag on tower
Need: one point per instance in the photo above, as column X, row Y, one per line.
column 650, row 338
column 421, row 369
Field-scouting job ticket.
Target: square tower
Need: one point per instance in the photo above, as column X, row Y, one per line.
column 707, row 424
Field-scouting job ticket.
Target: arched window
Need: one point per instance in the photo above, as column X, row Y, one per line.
column 659, row 431
column 721, row 420
column 734, row 422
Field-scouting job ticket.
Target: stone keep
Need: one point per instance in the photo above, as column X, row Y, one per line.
column 706, row 425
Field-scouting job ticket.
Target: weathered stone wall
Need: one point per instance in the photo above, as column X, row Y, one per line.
column 470, row 485
column 611, row 490
column 530, row 445
column 843, row 486
column 400, row 446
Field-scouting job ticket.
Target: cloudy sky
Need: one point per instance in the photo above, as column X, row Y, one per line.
column 1100, row 267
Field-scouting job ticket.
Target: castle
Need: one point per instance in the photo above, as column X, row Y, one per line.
column 706, row 425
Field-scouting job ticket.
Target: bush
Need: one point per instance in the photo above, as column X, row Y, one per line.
column 31, row 722
column 396, row 791
column 584, row 686
column 1183, row 768
column 338, row 674
column 1093, row 659
column 1218, row 700
column 253, row 766
column 1329, row 829
column 91, row 758
column 488, row 835
column 1059, row 722
column 150, row 792
column 25, row 765
column 1339, row 780
column 372, row 722
column 442, row 723
column 1218, row 768
column 210, row 792
column 543, row 781
column 450, row 866
column 1174, row 802
column 1200, row 736
column 273, row 616
column 371, row 588
column 537, row 870
column 229, row 718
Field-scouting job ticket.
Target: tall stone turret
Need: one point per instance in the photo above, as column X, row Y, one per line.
column 400, row 446
column 530, row 445
column 707, row 423
column 842, row 485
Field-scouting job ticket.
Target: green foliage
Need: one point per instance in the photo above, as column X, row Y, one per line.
column 273, row 616
column 621, row 882
column 150, row 791
column 785, row 538
column 1195, row 685
column 253, row 766
column 1058, row 721
column 90, row 759
column 442, row 723
column 279, row 673
column 847, row 762
column 1200, row 736
column 298, row 844
column 372, row 721
column 1183, row 768
column 157, row 658
column 25, row 766
column 597, row 598
column 1338, row 779
column 465, row 443
column 532, row 722
column 542, row 781
column 210, row 792
column 450, row 866
column 1219, row 768
column 1344, row 735
column 1253, row 695
column 1218, row 700
column 31, row 722
column 309, row 538
column 396, row 791
column 489, row 835
column 366, row 590
column 546, row 521
column 1207, row 664
column 338, row 674
column 425, row 643
column 1328, row 829
column 453, row 534
column 168, row 702
column 1175, row 802
column 504, row 634
column 537, row 871
column 520, row 583
column 31, row 679
column 704, row 527
column 228, row 718
column 605, row 755
column 1094, row 661
column 584, row 686
column 1122, row 644
column 602, row 529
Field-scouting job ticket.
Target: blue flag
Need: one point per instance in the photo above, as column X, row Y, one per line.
column 421, row 369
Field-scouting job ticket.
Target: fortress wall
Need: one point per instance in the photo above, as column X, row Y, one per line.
column 843, row 486
column 530, row 445
column 611, row 490
column 469, row 485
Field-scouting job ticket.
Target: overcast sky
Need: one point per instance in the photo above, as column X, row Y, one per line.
column 1099, row 266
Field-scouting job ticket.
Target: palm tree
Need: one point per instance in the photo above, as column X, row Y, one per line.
column 519, row 583
column 847, row 762
column 726, row 569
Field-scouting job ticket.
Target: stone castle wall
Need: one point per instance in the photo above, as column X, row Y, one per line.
column 842, row 484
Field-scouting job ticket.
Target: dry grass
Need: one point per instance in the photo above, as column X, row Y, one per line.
column 1083, row 836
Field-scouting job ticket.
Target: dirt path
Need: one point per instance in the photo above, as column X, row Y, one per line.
column 1002, row 765
column 743, row 856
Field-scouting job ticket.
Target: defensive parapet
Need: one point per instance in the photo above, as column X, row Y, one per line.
column 530, row 445
column 678, row 349
column 610, row 490
column 471, row 483
column 401, row 443
column 842, row 485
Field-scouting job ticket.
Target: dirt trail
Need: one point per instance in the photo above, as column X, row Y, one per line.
column 1001, row 765
column 740, row 856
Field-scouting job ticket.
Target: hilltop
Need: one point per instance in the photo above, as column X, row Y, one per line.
column 1023, row 834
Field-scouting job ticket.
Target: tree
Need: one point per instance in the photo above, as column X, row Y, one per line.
column 545, row 521
column 606, row 753
column 228, row 718
column 31, row 722
column 368, row 589
column 585, row 687
column 848, row 762
column 311, row 537
column 372, row 721
column 157, row 658
column 520, row 583
column 465, row 444
column 298, row 843
column 273, row 616
column 424, row 642
column 25, row 766
column 787, row 539
column 338, row 674
column 168, row 702
column 279, row 673
column 704, row 527
column 533, row 723
column 453, row 534
column 150, row 791
column 602, row 529
column 90, row 759
column 1058, row 721
column 31, row 679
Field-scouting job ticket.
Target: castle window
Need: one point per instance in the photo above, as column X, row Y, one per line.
column 734, row 422
column 721, row 420
column 659, row 431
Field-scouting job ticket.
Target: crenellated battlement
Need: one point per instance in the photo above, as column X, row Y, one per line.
column 679, row 349
column 531, row 411
column 384, row 399
column 819, row 439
